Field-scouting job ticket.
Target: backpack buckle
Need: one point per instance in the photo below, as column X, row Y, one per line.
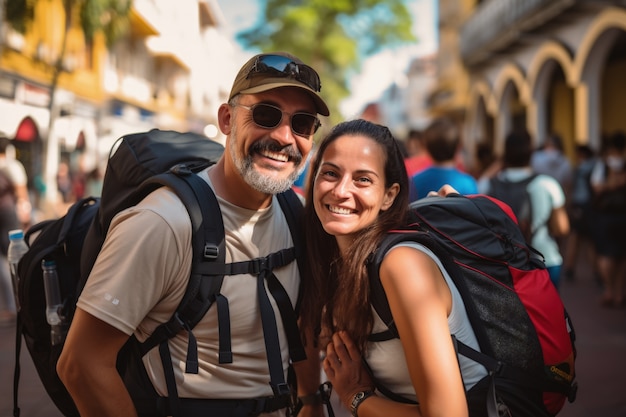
column 211, row 251
column 280, row 389
column 259, row 264
column 181, row 170
column 174, row 325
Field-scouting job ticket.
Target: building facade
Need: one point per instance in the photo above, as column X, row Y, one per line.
column 158, row 75
column 549, row 66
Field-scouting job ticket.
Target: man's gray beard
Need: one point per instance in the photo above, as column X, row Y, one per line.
column 261, row 183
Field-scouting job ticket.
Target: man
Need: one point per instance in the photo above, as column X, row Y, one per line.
column 17, row 174
column 142, row 270
column 443, row 140
column 15, row 210
column 548, row 216
column 550, row 160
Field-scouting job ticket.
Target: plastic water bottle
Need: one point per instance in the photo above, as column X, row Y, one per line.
column 54, row 302
column 17, row 249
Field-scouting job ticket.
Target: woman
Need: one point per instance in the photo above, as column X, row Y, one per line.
column 358, row 190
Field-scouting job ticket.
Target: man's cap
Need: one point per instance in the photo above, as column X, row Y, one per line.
column 265, row 72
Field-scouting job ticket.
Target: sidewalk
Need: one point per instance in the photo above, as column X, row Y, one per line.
column 601, row 363
column 601, row 344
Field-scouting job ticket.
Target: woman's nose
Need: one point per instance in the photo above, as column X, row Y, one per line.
column 342, row 188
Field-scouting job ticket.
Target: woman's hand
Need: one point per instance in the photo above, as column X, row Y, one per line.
column 444, row 191
column 344, row 368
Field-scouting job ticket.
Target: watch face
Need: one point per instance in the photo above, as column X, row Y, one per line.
column 355, row 400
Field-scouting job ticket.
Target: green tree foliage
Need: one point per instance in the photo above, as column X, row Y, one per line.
column 335, row 36
column 107, row 16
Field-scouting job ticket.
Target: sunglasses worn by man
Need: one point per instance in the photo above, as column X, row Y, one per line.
column 268, row 117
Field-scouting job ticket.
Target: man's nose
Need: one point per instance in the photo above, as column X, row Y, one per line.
column 282, row 132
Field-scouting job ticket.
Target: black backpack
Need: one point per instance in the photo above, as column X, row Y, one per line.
column 140, row 164
column 515, row 194
column 524, row 332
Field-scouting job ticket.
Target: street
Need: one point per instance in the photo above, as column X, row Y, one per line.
column 601, row 367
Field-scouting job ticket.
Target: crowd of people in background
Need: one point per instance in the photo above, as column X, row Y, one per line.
column 578, row 203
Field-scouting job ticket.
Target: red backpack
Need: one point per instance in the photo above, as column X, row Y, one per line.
column 524, row 332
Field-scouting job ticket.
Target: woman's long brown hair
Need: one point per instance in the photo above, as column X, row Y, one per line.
column 336, row 293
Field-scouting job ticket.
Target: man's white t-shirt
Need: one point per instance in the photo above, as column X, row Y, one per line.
column 141, row 275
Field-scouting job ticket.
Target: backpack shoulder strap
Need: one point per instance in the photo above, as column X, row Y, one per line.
column 378, row 298
column 207, row 245
column 292, row 208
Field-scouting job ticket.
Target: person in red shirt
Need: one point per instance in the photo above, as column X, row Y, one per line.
column 418, row 158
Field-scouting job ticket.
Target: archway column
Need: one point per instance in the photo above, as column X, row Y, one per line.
column 587, row 110
column 535, row 121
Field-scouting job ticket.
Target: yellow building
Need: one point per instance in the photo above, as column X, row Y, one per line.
column 550, row 66
column 145, row 80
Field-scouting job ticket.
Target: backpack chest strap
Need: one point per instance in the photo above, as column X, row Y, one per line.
column 253, row 266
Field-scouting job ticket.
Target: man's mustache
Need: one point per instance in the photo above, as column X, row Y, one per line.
column 272, row 146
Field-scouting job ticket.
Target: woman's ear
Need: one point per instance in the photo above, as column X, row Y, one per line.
column 390, row 196
column 224, row 118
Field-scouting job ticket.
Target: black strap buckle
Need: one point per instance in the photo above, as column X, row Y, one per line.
column 174, row 326
column 281, row 389
column 211, row 251
column 181, row 170
column 258, row 265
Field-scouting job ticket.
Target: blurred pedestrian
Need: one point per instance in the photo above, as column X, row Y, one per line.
column 550, row 160
column 65, row 183
column 8, row 221
column 15, row 213
column 579, row 211
column 442, row 139
column 484, row 160
column 418, row 158
column 608, row 180
column 547, row 214
column 14, row 169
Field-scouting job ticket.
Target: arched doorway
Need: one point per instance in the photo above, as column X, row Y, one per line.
column 28, row 150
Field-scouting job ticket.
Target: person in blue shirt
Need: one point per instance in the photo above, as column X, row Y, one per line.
column 442, row 139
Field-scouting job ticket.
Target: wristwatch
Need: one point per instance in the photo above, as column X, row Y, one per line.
column 311, row 399
column 358, row 398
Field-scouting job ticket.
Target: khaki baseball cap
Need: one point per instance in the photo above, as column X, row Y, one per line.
column 265, row 72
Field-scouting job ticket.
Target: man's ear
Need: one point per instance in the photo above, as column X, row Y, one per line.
column 390, row 196
column 224, row 118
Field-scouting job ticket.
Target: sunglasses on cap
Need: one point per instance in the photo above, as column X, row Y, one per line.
column 280, row 66
column 268, row 117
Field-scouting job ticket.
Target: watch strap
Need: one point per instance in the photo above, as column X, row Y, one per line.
column 358, row 398
column 311, row 399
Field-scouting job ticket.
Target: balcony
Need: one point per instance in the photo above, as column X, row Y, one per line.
column 144, row 19
column 496, row 24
